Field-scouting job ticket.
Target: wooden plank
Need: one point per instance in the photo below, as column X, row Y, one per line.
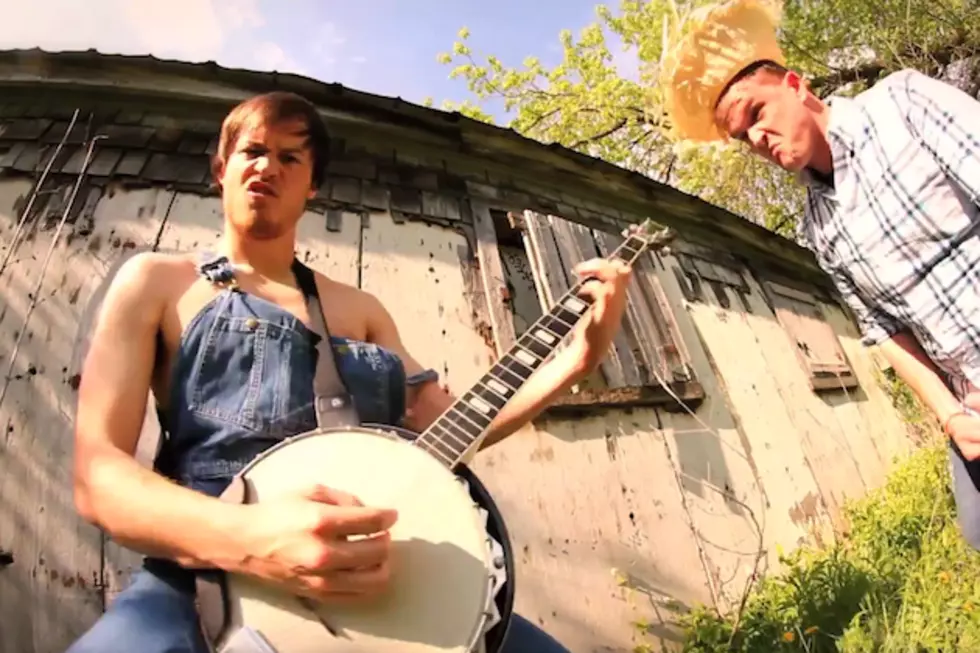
column 54, row 589
column 494, row 279
column 671, row 351
column 35, row 489
column 549, row 272
column 414, row 269
column 335, row 253
column 588, row 561
column 194, row 224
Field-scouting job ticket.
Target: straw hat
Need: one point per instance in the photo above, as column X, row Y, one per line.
column 705, row 52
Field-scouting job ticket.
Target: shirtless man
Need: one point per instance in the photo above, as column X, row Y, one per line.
column 231, row 371
column 893, row 185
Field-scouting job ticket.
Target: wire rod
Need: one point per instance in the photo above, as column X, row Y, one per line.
column 44, row 266
column 35, row 193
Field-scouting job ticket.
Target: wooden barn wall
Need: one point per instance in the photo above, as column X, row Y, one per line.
column 619, row 516
column 658, row 507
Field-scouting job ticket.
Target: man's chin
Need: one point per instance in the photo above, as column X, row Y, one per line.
column 260, row 229
column 789, row 162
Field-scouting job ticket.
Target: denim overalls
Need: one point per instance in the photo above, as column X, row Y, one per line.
column 242, row 381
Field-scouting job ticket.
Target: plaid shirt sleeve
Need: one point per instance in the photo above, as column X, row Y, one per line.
column 940, row 116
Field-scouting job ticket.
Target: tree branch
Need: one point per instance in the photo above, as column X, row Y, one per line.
column 872, row 71
column 619, row 124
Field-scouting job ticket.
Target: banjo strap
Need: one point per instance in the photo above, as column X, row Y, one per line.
column 334, row 407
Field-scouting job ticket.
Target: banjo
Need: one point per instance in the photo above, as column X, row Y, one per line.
column 451, row 588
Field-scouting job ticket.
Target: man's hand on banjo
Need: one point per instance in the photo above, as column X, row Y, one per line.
column 594, row 334
column 323, row 544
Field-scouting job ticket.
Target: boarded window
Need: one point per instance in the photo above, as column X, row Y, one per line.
column 817, row 346
column 537, row 254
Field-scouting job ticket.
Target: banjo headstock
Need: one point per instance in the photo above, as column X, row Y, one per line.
column 649, row 233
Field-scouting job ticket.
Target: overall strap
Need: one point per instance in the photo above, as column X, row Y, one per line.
column 216, row 268
column 333, row 402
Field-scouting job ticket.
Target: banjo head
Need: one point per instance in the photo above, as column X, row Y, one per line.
column 442, row 587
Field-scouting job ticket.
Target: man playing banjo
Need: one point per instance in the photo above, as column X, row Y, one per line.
column 893, row 183
column 231, row 376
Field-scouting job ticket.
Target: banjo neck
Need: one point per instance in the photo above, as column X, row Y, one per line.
column 465, row 422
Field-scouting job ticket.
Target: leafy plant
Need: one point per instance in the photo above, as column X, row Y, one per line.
column 902, row 580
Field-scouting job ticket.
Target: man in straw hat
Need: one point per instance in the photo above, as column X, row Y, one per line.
column 892, row 178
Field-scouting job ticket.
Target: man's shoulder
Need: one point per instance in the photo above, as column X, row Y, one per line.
column 344, row 291
column 354, row 298
column 153, row 277
column 151, row 267
column 894, row 88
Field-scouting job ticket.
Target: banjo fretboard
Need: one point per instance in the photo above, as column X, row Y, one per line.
column 453, row 433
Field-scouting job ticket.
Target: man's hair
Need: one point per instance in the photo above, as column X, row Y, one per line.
column 271, row 109
column 762, row 66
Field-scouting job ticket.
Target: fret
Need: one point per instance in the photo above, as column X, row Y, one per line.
column 556, row 326
column 526, row 356
column 450, row 437
column 509, row 379
column 459, row 423
column 489, row 396
column 545, row 335
column 475, row 417
column 496, row 386
column 445, row 450
column 477, row 403
column 465, row 421
column 566, row 317
column 461, row 420
column 540, row 349
column 516, row 366
column 575, row 305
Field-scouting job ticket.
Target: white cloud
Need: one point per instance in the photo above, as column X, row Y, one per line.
column 233, row 33
column 328, row 40
column 269, row 56
column 191, row 30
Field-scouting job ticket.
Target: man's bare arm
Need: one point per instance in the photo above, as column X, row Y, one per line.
column 137, row 507
column 913, row 366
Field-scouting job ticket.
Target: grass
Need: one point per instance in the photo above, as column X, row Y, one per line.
column 901, row 581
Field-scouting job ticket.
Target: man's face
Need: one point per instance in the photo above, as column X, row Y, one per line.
column 267, row 179
column 770, row 112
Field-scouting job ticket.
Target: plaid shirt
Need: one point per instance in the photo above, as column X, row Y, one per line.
column 898, row 231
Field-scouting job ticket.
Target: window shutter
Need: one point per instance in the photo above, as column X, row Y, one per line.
column 646, row 349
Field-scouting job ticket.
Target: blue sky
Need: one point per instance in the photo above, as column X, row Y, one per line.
column 387, row 47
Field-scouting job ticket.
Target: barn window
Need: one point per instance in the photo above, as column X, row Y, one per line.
column 814, row 340
column 527, row 260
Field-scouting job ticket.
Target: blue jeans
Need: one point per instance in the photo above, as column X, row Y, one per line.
column 966, row 491
column 155, row 615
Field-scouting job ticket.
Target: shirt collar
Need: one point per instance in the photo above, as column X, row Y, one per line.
column 841, row 113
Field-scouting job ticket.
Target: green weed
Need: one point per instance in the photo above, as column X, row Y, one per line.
column 901, row 581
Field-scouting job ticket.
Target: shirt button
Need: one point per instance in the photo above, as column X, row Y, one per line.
column 251, row 323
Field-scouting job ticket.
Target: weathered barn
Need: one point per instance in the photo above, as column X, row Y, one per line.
column 737, row 412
